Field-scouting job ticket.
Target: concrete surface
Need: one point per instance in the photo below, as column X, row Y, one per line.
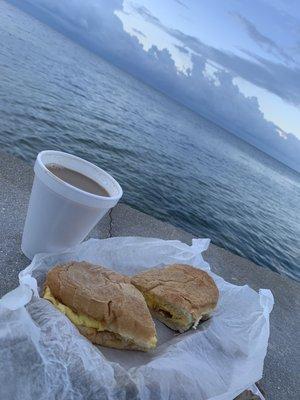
column 281, row 373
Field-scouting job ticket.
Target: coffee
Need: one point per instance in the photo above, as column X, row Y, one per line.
column 77, row 179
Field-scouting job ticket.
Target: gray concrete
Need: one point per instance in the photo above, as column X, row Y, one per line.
column 280, row 379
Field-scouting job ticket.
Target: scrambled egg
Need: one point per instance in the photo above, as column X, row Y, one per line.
column 153, row 342
column 83, row 320
column 77, row 319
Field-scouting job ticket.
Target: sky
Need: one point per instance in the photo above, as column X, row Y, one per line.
column 234, row 62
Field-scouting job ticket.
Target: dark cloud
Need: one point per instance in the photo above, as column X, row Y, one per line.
column 282, row 80
column 261, row 40
column 181, row 3
column 277, row 78
column 139, row 32
column 181, row 49
column 96, row 26
column 147, row 15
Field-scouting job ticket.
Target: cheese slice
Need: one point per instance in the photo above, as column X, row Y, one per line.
column 77, row 318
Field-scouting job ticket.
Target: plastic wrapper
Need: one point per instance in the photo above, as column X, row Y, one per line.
column 44, row 357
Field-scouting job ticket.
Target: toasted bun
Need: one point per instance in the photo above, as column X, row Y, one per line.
column 111, row 339
column 105, row 296
column 178, row 295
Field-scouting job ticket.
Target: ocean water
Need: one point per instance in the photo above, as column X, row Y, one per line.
column 171, row 163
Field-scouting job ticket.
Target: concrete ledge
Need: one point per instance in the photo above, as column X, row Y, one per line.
column 280, row 379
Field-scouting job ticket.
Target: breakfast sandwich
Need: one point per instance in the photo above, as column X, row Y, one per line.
column 178, row 295
column 104, row 305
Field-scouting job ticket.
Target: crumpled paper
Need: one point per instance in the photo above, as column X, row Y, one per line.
column 44, row 357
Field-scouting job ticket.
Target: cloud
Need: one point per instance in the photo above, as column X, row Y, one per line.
column 261, row 40
column 181, row 49
column 139, row 32
column 223, row 103
column 181, row 3
column 147, row 15
column 277, row 78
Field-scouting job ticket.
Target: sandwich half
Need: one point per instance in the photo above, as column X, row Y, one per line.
column 178, row 295
column 104, row 305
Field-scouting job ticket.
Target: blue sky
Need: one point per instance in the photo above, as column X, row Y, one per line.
column 234, row 62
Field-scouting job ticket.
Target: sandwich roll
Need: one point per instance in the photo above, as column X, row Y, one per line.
column 178, row 295
column 104, row 305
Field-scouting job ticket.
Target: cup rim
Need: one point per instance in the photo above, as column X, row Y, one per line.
column 45, row 172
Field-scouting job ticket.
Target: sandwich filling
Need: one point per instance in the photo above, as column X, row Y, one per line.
column 178, row 295
column 169, row 312
column 78, row 319
column 82, row 320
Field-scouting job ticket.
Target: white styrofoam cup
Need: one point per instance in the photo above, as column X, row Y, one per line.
column 60, row 215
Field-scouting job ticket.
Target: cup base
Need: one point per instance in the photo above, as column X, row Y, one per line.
column 26, row 253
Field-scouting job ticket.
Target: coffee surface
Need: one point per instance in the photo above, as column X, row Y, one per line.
column 77, row 179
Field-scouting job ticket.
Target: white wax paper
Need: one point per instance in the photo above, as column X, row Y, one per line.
column 43, row 357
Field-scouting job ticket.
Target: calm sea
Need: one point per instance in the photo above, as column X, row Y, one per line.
column 172, row 163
